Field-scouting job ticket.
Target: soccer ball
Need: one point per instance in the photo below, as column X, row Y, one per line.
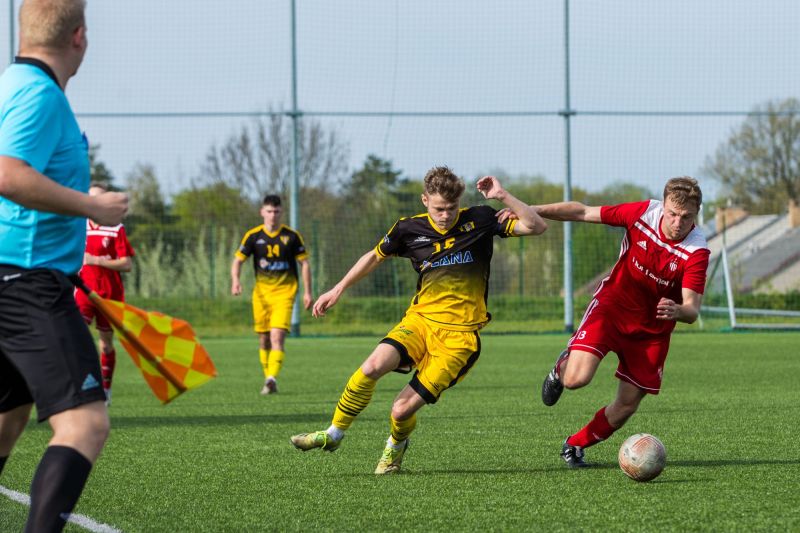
column 642, row 457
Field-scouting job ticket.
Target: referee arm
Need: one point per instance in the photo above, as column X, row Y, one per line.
column 22, row 184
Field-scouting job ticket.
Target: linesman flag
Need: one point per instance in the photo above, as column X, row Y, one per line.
column 164, row 348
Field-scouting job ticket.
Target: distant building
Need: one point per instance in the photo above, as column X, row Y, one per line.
column 763, row 250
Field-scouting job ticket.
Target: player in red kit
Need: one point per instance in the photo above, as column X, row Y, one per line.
column 658, row 279
column 108, row 253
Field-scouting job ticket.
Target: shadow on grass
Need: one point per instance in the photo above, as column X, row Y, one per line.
column 593, row 467
column 123, row 422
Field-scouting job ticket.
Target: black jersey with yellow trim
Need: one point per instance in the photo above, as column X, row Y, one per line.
column 275, row 254
column 453, row 265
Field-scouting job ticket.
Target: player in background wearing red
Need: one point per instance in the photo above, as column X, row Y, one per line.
column 658, row 280
column 108, row 253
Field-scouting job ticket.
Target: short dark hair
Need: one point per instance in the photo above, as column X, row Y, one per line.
column 272, row 199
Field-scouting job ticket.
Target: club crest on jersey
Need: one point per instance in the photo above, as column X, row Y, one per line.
column 285, row 239
column 106, row 242
column 263, row 263
column 673, row 266
column 469, row 226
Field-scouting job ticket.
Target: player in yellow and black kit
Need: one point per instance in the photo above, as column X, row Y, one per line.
column 450, row 248
column 276, row 250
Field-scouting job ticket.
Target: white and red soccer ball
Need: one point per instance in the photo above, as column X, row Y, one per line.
column 642, row 457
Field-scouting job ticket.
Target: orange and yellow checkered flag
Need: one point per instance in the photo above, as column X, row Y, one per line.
column 164, row 348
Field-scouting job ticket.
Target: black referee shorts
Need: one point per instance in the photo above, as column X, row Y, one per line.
column 47, row 354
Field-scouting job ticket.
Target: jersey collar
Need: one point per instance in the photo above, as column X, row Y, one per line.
column 444, row 231
column 38, row 63
column 273, row 234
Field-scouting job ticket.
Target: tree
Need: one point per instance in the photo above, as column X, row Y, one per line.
column 257, row 160
column 216, row 206
column 759, row 165
column 146, row 201
column 98, row 170
column 373, row 199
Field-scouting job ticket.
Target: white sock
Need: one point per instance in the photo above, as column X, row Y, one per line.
column 396, row 445
column 335, row 433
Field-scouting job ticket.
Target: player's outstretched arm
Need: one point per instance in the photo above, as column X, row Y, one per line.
column 530, row 223
column 570, row 211
column 22, row 184
column 366, row 264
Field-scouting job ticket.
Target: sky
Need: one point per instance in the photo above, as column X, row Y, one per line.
column 448, row 56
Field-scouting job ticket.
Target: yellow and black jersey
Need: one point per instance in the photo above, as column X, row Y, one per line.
column 453, row 265
column 275, row 255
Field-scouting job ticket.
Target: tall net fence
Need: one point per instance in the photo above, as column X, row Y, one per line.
column 189, row 106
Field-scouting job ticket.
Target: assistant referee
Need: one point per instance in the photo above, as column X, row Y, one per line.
column 47, row 355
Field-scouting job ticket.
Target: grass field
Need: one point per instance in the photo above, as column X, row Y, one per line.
column 483, row 458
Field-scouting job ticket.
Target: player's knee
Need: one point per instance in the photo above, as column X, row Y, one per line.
column 95, row 428
column 96, row 433
column 575, row 381
column 86, row 429
column 371, row 370
column 100, row 435
column 401, row 410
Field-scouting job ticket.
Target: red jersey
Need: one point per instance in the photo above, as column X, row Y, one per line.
column 111, row 242
column 650, row 266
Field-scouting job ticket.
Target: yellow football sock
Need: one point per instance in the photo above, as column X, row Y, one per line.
column 264, row 358
column 354, row 399
column 275, row 362
column 401, row 429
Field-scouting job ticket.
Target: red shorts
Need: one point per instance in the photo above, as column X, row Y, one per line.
column 88, row 310
column 641, row 357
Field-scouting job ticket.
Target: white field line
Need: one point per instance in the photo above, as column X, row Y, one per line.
column 83, row 521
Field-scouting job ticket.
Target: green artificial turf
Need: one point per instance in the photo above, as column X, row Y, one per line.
column 484, row 458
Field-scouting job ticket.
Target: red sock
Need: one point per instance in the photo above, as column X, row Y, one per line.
column 595, row 431
column 107, row 362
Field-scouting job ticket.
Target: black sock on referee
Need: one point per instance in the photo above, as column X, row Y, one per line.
column 56, row 487
column 3, row 463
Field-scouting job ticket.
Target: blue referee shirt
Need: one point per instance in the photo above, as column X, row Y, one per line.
column 37, row 126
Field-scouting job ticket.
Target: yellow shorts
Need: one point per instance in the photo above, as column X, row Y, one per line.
column 271, row 310
column 442, row 356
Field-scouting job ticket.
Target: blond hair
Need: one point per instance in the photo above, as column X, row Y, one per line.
column 684, row 190
column 442, row 181
column 50, row 23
